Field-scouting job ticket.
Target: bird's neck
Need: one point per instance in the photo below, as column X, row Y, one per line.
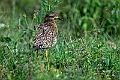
column 49, row 21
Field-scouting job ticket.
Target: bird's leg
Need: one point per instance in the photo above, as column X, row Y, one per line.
column 46, row 54
column 36, row 54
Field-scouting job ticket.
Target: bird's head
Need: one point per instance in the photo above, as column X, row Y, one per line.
column 52, row 16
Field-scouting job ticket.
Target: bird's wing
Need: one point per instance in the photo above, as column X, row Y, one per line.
column 40, row 40
column 44, row 37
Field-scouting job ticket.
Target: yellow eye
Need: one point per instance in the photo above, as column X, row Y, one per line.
column 56, row 17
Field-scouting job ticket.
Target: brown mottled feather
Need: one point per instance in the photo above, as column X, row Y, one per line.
column 46, row 36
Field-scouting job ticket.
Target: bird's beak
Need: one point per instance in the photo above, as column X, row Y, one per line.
column 56, row 17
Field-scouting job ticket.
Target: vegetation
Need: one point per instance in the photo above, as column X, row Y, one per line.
column 88, row 40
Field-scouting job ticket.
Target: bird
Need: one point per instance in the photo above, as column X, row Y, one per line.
column 47, row 34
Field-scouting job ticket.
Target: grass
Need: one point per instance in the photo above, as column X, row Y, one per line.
column 84, row 58
column 86, row 55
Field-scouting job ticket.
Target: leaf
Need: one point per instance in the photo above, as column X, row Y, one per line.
column 2, row 25
column 5, row 39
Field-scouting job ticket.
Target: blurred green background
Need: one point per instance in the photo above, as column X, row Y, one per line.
column 88, row 45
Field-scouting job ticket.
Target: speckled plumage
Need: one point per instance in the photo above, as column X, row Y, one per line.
column 46, row 37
